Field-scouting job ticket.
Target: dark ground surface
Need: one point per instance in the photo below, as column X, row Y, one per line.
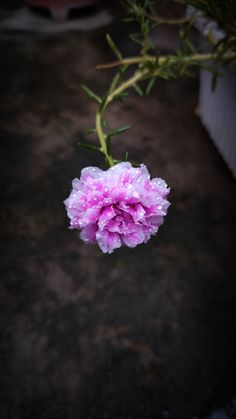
column 143, row 333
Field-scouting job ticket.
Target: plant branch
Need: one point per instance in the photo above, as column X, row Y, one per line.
column 144, row 72
column 149, row 58
column 100, row 113
column 173, row 21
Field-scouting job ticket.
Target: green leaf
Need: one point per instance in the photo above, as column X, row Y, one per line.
column 126, row 156
column 121, row 96
column 113, row 47
column 134, row 163
column 136, row 37
column 114, row 81
column 103, row 101
column 89, row 146
column 107, row 163
column 150, row 85
column 91, row 94
column 189, row 46
column 90, row 131
column 138, row 89
column 183, row 67
column 104, row 123
column 118, row 77
column 118, row 131
column 108, row 141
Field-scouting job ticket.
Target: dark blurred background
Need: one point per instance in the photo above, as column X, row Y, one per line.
column 143, row 333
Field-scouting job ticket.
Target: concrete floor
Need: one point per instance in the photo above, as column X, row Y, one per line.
column 143, row 333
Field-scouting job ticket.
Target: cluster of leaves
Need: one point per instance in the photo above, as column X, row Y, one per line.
column 139, row 12
column 224, row 14
column 149, row 64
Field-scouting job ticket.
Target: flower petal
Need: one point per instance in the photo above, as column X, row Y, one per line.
column 133, row 239
column 105, row 216
column 88, row 234
column 108, row 241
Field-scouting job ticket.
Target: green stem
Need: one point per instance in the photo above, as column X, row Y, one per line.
column 161, row 60
column 102, row 137
column 100, row 113
column 174, row 21
column 139, row 75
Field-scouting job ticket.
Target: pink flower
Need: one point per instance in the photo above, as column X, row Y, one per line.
column 119, row 206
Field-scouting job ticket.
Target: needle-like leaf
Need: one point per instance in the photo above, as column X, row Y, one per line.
column 118, row 131
column 113, row 47
column 91, row 94
column 89, row 147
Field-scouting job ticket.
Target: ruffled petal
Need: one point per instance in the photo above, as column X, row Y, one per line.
column 135, row 238
column 91, row 172
column 108, row 241
column 88, row 234
column 105, row 216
